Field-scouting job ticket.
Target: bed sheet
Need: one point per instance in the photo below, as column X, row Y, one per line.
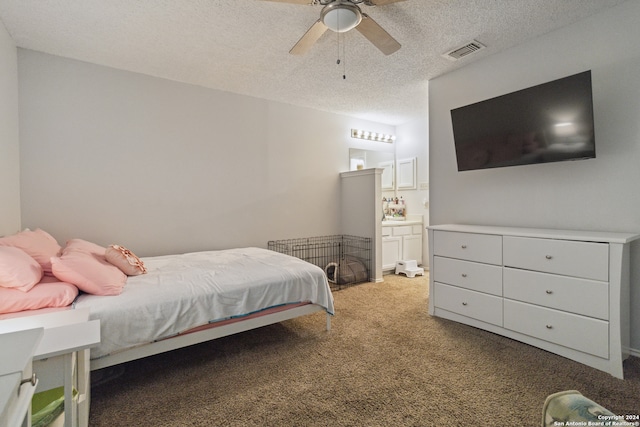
column 184, row 291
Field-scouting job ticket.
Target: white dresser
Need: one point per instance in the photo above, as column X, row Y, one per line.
column 61, row 358
column 17, row 380
column 564, row 291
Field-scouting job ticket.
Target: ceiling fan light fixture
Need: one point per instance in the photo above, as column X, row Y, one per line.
column 340, row 18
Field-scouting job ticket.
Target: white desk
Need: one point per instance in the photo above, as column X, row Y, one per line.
column 15, row 366
column 62, row 357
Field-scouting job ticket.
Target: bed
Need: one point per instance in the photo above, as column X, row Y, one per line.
column 155, row 304
column 195, row 297
column 144, row 306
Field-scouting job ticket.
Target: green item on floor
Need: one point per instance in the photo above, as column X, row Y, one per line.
column 46, row 406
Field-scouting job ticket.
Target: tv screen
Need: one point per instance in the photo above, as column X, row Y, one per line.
column 550, row 122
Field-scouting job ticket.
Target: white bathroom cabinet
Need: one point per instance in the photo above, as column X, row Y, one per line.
column 401, row 240
column 564, row 291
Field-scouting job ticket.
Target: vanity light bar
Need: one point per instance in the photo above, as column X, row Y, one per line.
column 372, row 136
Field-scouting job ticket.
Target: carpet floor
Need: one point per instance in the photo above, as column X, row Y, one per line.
column 385, row 362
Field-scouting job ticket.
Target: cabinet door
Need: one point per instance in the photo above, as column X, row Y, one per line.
column 412, row 248
column 407, row 174
column 388, row 172
column 391, row 252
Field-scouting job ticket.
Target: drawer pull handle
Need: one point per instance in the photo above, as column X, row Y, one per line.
column 464, row 246
column 464, row 274
column 548, row 257
column 549, row 326
column 464, row 303
column 549, row 291
column 33, row 380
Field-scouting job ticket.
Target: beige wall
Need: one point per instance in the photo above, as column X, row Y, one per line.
column 9, row 146
column 159, row 166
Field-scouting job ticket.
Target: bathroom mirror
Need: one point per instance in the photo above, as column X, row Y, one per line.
column 365, row 159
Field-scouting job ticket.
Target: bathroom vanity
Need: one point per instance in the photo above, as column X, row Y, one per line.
column 401, row 240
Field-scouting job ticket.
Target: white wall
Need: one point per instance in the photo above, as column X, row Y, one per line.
column 161, row 167
column 9, row 142
column 598, row 194
column 413, row 141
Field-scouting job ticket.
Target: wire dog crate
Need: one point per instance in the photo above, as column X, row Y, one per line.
column 345, row 259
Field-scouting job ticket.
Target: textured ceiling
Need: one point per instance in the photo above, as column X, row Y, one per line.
column 242, row 46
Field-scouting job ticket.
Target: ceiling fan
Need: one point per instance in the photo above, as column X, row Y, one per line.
column 341, row 16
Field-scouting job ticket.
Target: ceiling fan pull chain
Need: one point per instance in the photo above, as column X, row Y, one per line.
column 341, row 61
column 344, row 57
column 338, row 43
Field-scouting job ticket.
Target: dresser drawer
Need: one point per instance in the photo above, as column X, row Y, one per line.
column 476, row 305
column 18, row 398
column 569, row 330
column 570, row 258
column 580, row 296
column 486, row 248
column 470, row 275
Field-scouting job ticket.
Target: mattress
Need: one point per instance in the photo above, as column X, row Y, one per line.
column 186, row 291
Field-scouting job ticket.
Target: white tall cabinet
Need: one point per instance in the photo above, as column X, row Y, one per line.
column 564, row 291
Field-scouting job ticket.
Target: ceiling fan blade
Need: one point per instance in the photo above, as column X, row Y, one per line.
column 377, row 35
column 297, row 1
column 309, row 39
column 382, row 2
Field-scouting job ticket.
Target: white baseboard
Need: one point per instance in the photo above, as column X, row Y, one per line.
column 634, row 352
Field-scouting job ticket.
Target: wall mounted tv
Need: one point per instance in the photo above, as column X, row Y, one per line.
column 550, row 122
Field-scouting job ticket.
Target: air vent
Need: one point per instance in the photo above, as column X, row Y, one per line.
column 464, row 50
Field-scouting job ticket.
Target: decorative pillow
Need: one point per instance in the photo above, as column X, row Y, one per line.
column 80, row 265
column 18, row 270
column 48, row 293
column 125, row 260
column 38, row 244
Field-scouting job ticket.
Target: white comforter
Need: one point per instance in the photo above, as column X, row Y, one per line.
column 181, row 292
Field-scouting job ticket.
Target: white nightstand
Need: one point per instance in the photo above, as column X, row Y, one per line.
column 17, row 383
column 62, row 357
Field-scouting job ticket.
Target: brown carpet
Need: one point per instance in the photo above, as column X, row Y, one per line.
column 386, row 362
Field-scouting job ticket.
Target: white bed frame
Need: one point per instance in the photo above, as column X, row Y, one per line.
column 192, row 338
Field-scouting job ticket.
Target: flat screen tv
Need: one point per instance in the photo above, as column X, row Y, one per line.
column 550, row 122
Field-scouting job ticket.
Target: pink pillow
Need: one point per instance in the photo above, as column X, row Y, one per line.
column 125, row 260
column 18, row 270
column 81, row 265
column 45, row 294
column 38, row 244
column 86, row 246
